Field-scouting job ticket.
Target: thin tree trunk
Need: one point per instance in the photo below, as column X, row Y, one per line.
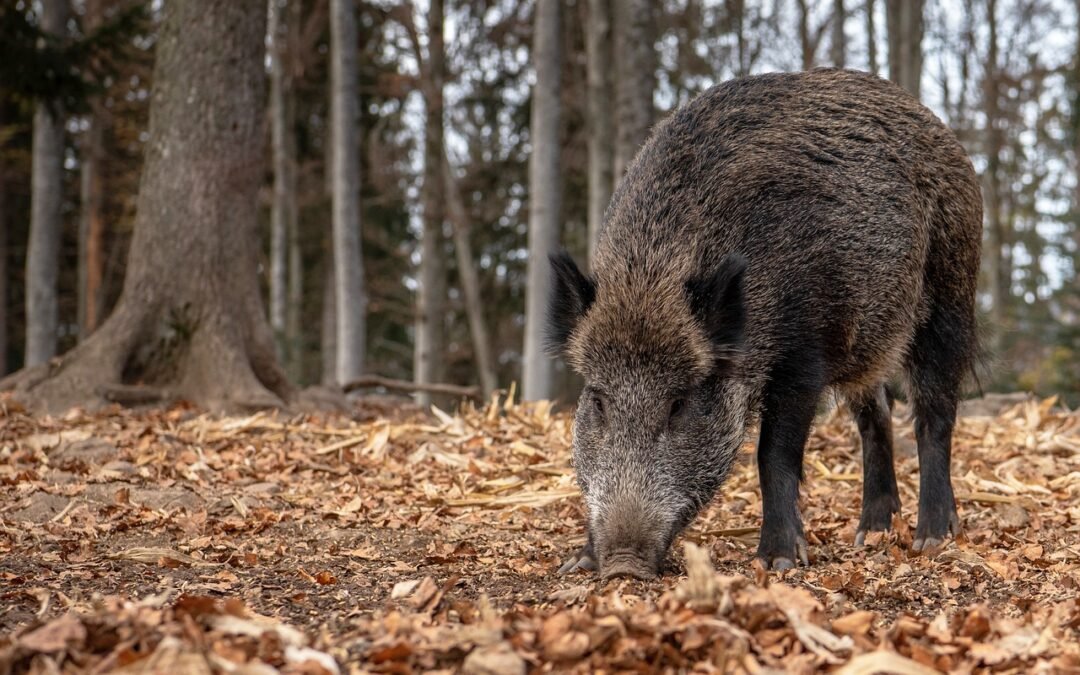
column 995, row 227
column 46, row 216
column 871, row 36
column 806, row 42
column 904, row 23
column 329, row 326
column 92, row 201
column 431, row 299
column 545, row 192
column 294, row 310
column 738, row 11
column 839, row 41
column 199, row 333
column 3, row 262
column 92, row 222
column 470, row 283
column 348, row 264
column 280, row 209
column 598, row 46
column 1076, row 146
column 635, row 78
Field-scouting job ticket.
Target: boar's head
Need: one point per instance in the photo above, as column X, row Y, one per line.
column 663, row 411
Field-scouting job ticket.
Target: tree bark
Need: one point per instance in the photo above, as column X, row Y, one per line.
column 92, row 201
column 635, row 78
column 545, row 193
column 295, row 300
column 431, row 299
column 871, row 36
column 839, row 41
column 598, row 47
column 992, row 182
column 328, row 340
column 46, row 216
column 3, row 262
column 350, row 299
column 92, row 222
column 806, row 44
column 280, row 208
column 904, row 23
column 470, row 283
column 190, row 318
column 1076, row 149
column 737, row 8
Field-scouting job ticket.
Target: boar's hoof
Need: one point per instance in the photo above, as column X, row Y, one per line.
column 876, row 516
column 928, row 541
column 779, row 561
column 582, row 560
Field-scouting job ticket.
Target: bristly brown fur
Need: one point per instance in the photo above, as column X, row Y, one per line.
column 858, row 216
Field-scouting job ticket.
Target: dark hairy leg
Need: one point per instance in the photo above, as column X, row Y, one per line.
column 936, row 367
column 880, row 496
column 785, row 425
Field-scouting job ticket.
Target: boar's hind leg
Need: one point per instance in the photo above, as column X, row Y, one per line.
column 785, row 424
column 939, row 359
column 880, row 497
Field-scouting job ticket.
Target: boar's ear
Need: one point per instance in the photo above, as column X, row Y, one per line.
column 572, row 293
column 716, row 300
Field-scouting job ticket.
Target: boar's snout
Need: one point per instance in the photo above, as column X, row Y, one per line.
column 632, row 539
column 629, row 566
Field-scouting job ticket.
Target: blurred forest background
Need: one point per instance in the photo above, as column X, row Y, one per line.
column 464, row 138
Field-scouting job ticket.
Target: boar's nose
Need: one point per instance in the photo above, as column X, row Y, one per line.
column 630, row 566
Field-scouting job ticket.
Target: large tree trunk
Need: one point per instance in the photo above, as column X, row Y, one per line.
column 904, row 24
column 92, row 200
column 190, row 318
column 431, row 299
column 635, row 78
column 598, row 47
column 46, row 218
column 350, row 300
column 545, row 195
column 839, row 41
column 470, row 282
column 280, row 208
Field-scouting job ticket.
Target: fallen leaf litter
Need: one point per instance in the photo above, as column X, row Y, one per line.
column 401, row 542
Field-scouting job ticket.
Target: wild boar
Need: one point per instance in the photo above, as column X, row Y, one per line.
column 778, row 237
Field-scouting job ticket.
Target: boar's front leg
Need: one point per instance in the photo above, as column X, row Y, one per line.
column 785, row 425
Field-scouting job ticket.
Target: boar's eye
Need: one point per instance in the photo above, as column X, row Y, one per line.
column 677, row 408
column 597, row 404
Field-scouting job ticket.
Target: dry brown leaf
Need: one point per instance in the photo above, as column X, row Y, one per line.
column 57, row 635
column 878, row 662
column 856, row 623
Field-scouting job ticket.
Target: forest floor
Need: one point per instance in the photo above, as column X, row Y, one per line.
column 395, row 541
